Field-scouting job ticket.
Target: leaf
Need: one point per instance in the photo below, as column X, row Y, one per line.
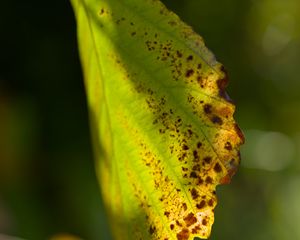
column 162, row 123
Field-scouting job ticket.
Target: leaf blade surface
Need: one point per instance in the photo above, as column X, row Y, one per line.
column 162, row 123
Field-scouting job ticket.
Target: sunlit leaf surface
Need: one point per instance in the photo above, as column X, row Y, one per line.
column 162, row 123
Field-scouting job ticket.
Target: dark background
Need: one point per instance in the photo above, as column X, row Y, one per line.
column 47, row 177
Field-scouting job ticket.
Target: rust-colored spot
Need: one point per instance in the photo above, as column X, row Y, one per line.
column 208, row 180
column 189, row 73
column 184, row 169
column 228, row 146
column 179, row 54
column 217, row 168
column 201, row 204
column 190, row 219
column 222, row 83
column 184, row 206
column 189, row 58
column 204, row 222
column 194, row 193
column 193, row 175
column 216, row 120
column 230, row 172
column 152, row 229
column 200, row 181
column 210, row 202
column 207, row 160
column 239, row 133
column 195, row 229
column 207, row 108
column 178, row 223
column 172, row 226
column 195, row 153
column 199, row 144
column 167, row 214
column 185, row 147
column 183, row 234
column 196, row 167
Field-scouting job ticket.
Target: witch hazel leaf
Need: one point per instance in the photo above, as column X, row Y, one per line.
column 162, row 123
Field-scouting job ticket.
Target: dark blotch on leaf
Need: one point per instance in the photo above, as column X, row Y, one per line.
column 190, row 219
column 194, row 193
column 228, row 146
column 193, row 175
column 172, row 226
column 185, row 147
column 183, row 234
column 217, row 120
column 207, row 160
column 222, row 83
column 210, row 202
column 201, row 204
column 189, row 58
column 207, row 108
column 195, row 153
column 179, row 54
column 200, row 181
column 217, row 168
column 152, row 229
column 239, row 133
column 208, row 180
column 189, row 73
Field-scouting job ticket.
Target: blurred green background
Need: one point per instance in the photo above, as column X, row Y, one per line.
column 47, row 177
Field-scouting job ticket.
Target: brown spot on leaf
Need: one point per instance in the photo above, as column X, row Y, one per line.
column 228, row 146
column 222, row 83
column 195, row 229
column 204, row 222
column 167, row 214
column 199, row 144
column 184, row 206
column 217, row 168
column 208, row 180
column 184, row 169
column 185, row 147
column 189, row 58
column 201, row 204
column 178, row 223
column 152, row 229
column 194, row 193
column 193, row 175
column 189, row 73
column 195, row 153
column 171, row 226
column 239, row 133
column 207, row 160
column 101, row 11
column 200, row 181
column 183, row 234
column 196, row 167
column 216, row 120
column 179, row 54
column 207, row 108
column 190, row 219
column 210, row 202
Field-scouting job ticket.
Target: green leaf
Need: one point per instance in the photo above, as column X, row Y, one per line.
column 162, row 123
